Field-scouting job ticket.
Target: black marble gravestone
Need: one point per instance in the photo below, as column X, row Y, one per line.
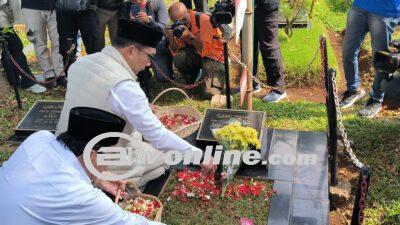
column 217, row 118
column 43, row 115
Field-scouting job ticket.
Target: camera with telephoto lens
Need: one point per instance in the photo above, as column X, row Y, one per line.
column 178, row 27
column 223, row 12
column 388, row 61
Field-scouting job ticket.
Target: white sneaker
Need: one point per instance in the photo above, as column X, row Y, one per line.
column 275, row 96
column 257, row 89
column 37, row 89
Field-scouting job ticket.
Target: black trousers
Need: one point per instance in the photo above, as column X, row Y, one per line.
column 68, row 25
column 200, row 5
column 266, row 40
column 15, row 47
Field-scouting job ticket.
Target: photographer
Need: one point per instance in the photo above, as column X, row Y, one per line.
column 380, row 19
column 152, row 13
column 196, row 46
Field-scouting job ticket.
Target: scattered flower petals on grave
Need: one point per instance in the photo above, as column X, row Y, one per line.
column 246, row 221
column 193, row 185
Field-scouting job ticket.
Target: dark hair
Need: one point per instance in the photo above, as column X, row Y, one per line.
column 121, row 42
column 74, row 145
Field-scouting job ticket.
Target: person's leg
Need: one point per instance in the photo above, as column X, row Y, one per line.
column 356, row 29
column 188, row 62
column 256, row 53
column 268, row 37
column 381, row 30
column 87, row 25
column 103, row 19
column 113, row 26
column 144, row 77
column 36, row 21
column 67, row 30
column 214, row 72
column 163, row 58
column 56, row 58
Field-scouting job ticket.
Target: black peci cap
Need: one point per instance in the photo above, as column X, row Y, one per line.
column 86, row 123
column 139, row 32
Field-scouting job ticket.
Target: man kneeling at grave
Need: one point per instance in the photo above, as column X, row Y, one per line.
column 107, row 80
column 47, row 181
column 197, row 48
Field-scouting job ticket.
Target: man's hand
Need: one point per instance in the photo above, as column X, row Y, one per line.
column 169, row 34
column 153, row 107
column 143, row 17
column 208, row 168
column 187, row 36
column 112, row 186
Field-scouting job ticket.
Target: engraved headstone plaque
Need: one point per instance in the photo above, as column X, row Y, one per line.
column 43, row 115
column 217, row 118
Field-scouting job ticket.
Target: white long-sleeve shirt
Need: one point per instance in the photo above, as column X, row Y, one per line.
column 43, row 183
column 128, row 100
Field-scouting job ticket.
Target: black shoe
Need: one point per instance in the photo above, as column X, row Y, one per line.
column 372, row 108
column 349, row 98
column 62, row 81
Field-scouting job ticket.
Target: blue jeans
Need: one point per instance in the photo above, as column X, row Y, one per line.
column 359, row 23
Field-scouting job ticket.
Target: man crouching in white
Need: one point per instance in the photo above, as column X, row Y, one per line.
column 45, row 182
column 107, row 80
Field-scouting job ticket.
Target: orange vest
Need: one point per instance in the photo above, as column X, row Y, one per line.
column 210, row 36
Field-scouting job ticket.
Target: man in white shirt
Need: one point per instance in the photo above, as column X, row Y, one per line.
column 45, row 182
column 107, row 80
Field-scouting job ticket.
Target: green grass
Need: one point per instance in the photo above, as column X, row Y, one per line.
column 333, row 13
column 4, row 155
column 21, row 31
column 301, row 56
column 10, row 115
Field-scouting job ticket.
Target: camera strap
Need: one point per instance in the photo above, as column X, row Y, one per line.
column 197, row 18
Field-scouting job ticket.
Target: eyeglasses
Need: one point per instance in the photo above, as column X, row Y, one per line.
column 149, row 56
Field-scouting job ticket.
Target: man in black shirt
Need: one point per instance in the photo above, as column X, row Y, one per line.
column 74, row 16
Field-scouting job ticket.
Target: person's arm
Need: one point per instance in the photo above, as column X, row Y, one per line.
column 161, row 15
column 191, row 39
column 205, row 35
column 129, row 101
column 97, row 208
column 174, row 43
